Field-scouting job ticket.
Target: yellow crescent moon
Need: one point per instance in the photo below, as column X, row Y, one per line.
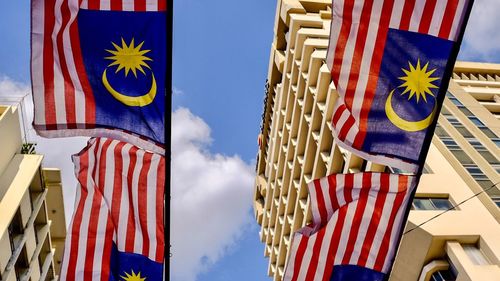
column 405, row 125
column 128, row 100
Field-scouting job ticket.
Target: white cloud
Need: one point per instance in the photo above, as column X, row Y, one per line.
column 211, row 197
column 211, row 193
column 482, row 36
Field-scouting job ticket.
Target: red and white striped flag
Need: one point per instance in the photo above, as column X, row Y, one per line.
column 391, row 61
column 356, row 224
column 72, row 42
column 117, row 226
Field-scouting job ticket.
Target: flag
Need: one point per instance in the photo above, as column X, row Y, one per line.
column 391, row 62
column 98, row 68
column 356, row 226
column 116, row 232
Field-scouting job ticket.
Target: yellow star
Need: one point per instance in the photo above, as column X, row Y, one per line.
column 133, row 277
column 129, row 57
column 418, row 81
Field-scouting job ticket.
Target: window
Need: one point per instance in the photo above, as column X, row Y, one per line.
column 443, row 275
column 475, row 171
column 475, row 120
column 464, row 110
column 476, row 144
column 431, row 204
column 453, row 121
column 475, row 255
column 496, row 141
column 496, row 200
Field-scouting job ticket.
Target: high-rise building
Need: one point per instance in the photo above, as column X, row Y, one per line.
column 32, row 223
column 297, row 145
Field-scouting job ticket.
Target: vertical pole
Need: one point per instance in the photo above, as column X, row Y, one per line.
column 168, row 133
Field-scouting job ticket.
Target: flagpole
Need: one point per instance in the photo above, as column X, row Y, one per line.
column 430, row 133
column 168, row 140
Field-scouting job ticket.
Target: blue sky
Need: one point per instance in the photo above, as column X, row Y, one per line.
column 220, row 62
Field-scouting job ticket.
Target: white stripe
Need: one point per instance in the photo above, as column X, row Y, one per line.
column 102, row 214
column 416, row 16
column 313, row 198
column 59, row 96
column 325, row 190
column 349, row 50
column 85, row 4
column 87, row 208
column 124, row 206
column 105, row 5
column 457, row 21
column 343, row 118
column 151, row 200
column 397, row 12
column 366, row 62
column 335, row 26
column 290, row 264
column 346, row 229
column 395, row 231
column 363, row 228
column 135, row 201
column 128, row 5
column 325, row 247
column 37, row 38
column 306, row 260
column 152, row 5
column 437, row 18
column 339, row 190
column 68, row 53
column 109, row 180
column 381, row 229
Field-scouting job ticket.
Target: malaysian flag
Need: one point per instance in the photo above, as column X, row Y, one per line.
column 98, row 68
column 117, row 228
column 391, row 61
column 357, row 220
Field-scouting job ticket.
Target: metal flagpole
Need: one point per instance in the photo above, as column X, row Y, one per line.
column 168, row 133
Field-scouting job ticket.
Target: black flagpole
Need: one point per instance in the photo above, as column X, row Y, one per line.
column 168, row 141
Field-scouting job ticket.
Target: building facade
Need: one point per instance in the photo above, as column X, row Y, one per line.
column 32, row 223
column 297, row 146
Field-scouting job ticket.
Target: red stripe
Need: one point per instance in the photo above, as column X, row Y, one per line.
column 116, row 5
column 359, row 49
column 348, row 124
column 374, row 71
column 320, row 203
column 129, row 240
column 384, row 246
column 375, row 220
column 142, row 202
column 48, row 64
column 332, row 184
column 160, row 183
column 69, row 90
column 341, row 42
column 106, row 255
column 358, row 216
column 338, row 114
column 427, row 15
column 300, row 255
column 348, row 186
column 313, row 265
column 82, row 76
column 94, row 215
column 334, row 243
column 77, row 219
column 448, row 18
column 140, row 5
column 162, row 5
column 94, row 4
column 406, row 14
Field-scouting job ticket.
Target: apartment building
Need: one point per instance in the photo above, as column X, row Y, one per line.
column 32, row 223
column 297, row 146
